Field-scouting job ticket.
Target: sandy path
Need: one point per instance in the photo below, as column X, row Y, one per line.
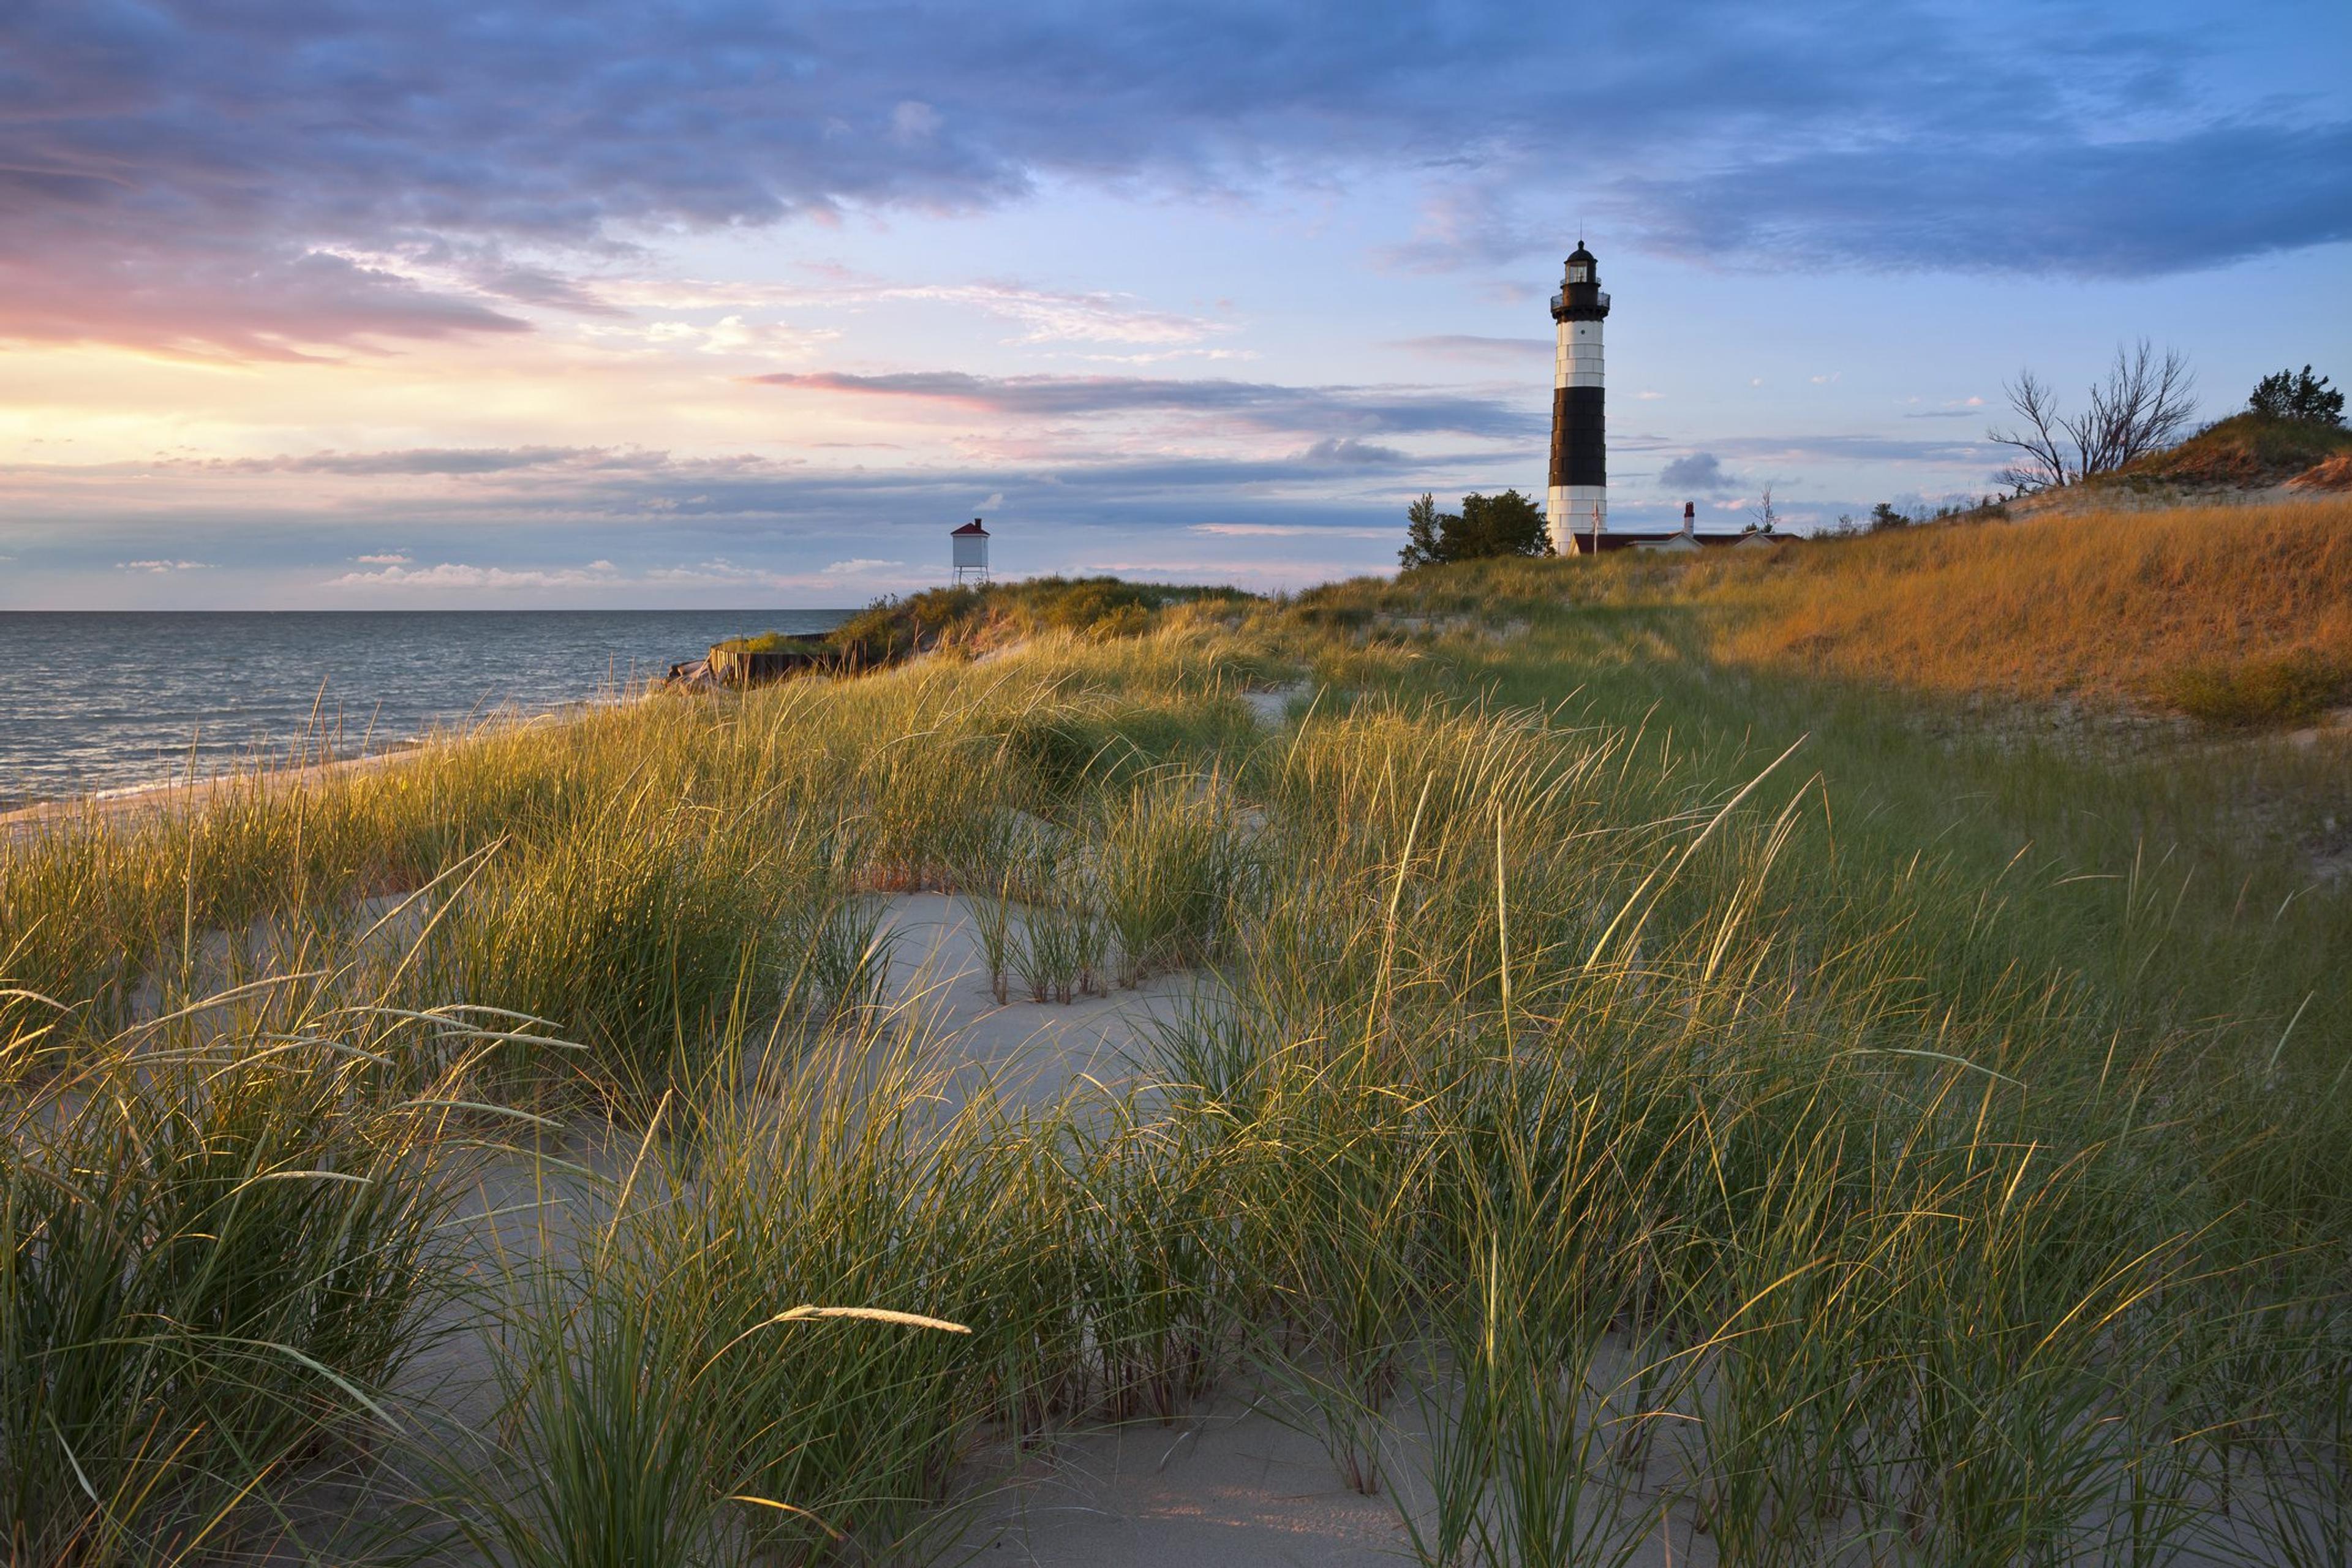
column 1034, row 1052
column 1231, row 1484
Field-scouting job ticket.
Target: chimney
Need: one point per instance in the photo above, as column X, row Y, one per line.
column 1690, row 520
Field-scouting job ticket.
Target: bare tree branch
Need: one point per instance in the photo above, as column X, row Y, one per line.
column 2145, row 406
column 2042, row 465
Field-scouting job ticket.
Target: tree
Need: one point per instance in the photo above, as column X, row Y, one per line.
column 1425, row 533
column 1507, row 524
column 1486, row 526
column 2144, row 407
column 2289, row 395
column 1766, row 518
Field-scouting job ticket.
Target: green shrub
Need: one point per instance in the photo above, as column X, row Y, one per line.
column 2287, row 689
column 776, row 642
column 2284, row 395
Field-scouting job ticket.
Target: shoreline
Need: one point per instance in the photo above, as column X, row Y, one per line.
column 122, row 801
column 120, row 706
column 129, row 800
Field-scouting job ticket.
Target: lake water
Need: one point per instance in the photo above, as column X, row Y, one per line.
column 92, row 701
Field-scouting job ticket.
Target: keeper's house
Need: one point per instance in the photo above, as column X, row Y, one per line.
column 1687, row 537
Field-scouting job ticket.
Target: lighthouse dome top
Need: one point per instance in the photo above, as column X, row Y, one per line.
column 1581, row 297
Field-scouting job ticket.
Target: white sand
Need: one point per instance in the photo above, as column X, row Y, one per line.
column 1035, row 1051
column 1231, row 1484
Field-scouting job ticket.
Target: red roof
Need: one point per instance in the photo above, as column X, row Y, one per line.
column 969, row 528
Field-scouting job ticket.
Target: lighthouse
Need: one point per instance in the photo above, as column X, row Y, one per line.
column 1577, row 504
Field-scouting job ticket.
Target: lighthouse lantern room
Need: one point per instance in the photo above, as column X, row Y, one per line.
column 1577, row 503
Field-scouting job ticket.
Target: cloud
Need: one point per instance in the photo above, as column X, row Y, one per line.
column 912, row 122
column 1471, row 223
column 1348, row 452
column 413, row 460
column 211, row 297
column 625, row 504
column 1046, row 315
column 1514, row 351
column 606, row 579
column 1253, row 405
column 643, row 495
column 461, row 461
column 162, row 566
column 1285, row 530
column 1701, row 471
column 393, row 558
column 1841, row 448
column 275, row 181
column 451, row 574
column 1949, row 200
column 731, row 334
column 607, row 576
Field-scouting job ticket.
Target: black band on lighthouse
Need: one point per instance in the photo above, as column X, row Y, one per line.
column 1579, row 453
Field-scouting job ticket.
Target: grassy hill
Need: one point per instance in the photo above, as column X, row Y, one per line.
column 2234, row 613
column 989, row 615
column 2245, row 451
column 2237, row 615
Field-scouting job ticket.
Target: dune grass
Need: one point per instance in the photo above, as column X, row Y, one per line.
column 1642, row 1093
column 221, row 1237
column 2099, row 605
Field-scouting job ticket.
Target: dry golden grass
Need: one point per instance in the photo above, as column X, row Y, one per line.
column 2106, row 605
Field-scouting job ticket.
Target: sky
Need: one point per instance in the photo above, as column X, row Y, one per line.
column 328, row 304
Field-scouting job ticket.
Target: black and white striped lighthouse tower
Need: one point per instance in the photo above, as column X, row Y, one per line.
column 1577, row 504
